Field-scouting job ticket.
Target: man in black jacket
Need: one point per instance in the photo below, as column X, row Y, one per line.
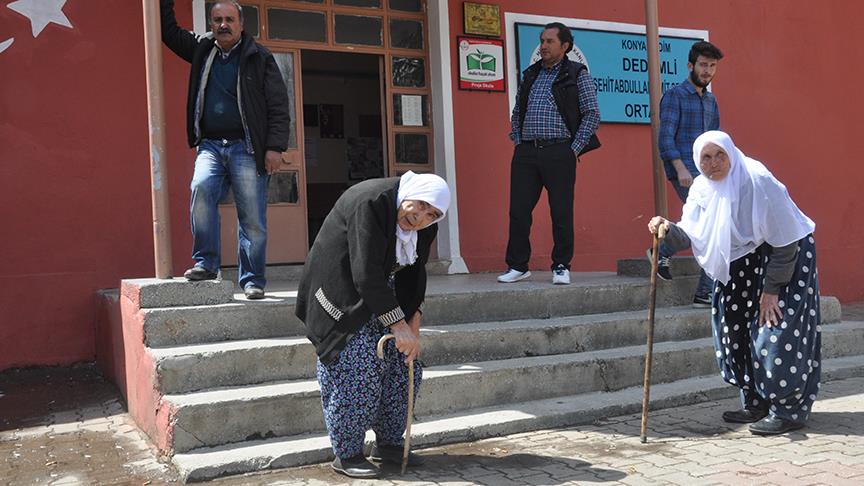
column 553, row 122
column 237, row 116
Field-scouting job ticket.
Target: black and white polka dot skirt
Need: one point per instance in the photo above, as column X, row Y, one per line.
column 776, row 367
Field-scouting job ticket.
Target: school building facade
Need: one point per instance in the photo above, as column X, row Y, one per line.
column 379, row 87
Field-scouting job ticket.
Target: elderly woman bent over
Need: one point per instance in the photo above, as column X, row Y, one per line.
column 751, row 238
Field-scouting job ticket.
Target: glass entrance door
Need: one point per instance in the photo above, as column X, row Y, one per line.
column 286, row 199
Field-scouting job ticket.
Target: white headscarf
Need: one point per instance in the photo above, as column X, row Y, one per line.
column 727, row 219
column 418, row 187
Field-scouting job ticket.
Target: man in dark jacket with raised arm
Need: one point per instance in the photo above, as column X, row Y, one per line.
column 238, row 118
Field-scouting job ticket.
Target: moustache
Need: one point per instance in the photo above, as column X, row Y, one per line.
column 223, row 31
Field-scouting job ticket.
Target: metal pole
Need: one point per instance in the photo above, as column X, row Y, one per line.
column 156, row 111
column 654, row 93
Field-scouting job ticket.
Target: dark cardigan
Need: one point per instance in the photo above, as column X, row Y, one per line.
column 345, row 279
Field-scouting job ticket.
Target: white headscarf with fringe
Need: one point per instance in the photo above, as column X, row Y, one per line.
column 728, row 219
column 418, row 187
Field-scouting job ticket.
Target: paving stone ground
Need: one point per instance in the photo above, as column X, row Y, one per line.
column 68, row 426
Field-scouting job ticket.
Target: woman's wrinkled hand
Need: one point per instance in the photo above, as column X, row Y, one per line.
column 656, row 222
column 770, row 313
column 407, row 341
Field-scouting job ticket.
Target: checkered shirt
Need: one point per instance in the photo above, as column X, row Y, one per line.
column 542, row 119
column 684, row 115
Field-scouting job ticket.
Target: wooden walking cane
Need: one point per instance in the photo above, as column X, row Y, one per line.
column 407, row 448
column 652, row 301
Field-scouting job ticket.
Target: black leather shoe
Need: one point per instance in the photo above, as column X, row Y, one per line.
column 199, row 273
column 393, row 455
column 746, row 416
column 356, row 467
column 254, row 293
column 772, row 425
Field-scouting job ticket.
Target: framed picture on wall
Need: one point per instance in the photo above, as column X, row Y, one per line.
column 482, row 19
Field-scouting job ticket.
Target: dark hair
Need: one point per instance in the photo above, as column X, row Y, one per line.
column 564, row 34
column 234, row 3
column 705, row 49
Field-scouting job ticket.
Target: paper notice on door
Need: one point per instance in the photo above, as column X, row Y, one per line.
column 412, row 110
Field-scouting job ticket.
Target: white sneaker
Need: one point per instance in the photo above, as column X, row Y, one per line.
column 561, row 276
column 513, row 276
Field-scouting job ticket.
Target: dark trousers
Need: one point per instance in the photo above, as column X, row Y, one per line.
column 532, row 169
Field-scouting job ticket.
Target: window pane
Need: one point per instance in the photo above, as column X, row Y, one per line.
column 406, row 5
column 365, row 158
column 297, row 25
column 411, row 110
column 359, row 3
column 285, row 61
column 406, row 34
column 412, row 148
column 409, row 72
column 250, row 18
column 351, row 29
column 283, row 188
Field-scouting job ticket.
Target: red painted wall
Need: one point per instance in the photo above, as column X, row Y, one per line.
column 75, row 177
column 786, row 94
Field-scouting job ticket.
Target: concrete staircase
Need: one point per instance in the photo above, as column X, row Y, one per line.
column 232, row 384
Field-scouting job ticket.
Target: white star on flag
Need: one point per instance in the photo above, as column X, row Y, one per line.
column 41, row 13
column 5, row 44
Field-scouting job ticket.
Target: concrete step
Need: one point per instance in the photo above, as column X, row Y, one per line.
column 232, row 363
column 176, row 292
column 211, row 418
column 183, row 369
column 680, row 266
column 292, row 272
column 255, row 455
column 451, row 299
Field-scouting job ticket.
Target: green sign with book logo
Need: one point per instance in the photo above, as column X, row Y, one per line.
column 481, row 64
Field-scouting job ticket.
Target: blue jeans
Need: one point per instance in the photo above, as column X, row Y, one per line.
column 705, row 286
column 220, row 165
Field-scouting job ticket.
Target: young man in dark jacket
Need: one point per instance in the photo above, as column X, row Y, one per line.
column 554, row 121
column 238, row 117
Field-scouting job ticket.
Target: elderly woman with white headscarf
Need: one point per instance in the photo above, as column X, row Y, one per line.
column 365, row 277
column 751, row 238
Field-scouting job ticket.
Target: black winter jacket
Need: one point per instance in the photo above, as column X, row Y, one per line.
column 263, row 97
column 345, row 279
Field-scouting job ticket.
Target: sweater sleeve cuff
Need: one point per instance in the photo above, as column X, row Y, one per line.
column 392, row 317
